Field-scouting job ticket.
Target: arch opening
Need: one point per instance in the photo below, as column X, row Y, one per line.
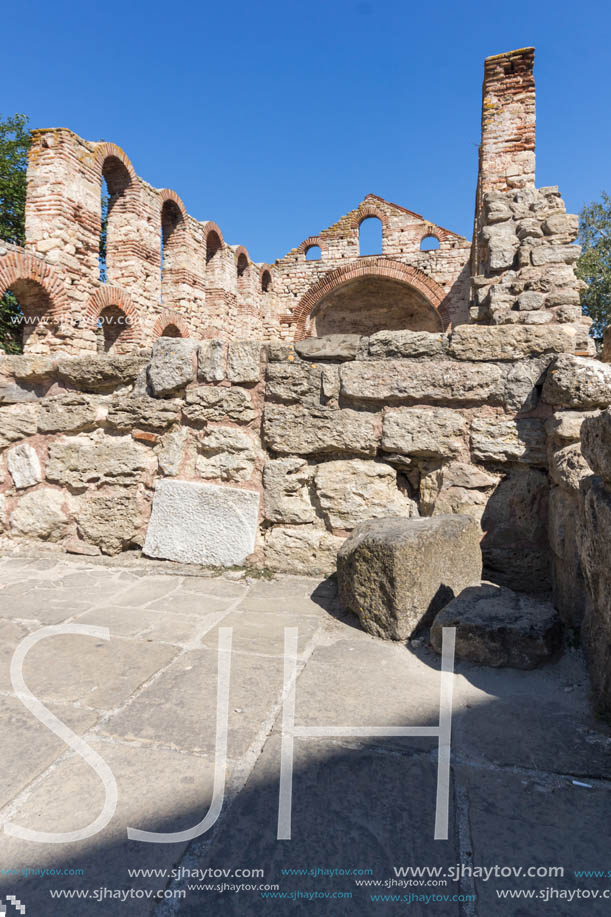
column 213, row 245
column 371, row 303
column 429, row 243
column 29, row 316
column 370, row 236
column 112, row 327
column 115, row 183
column 313, row 253
column 266, row 282
column 171, row 331
column 242, row 264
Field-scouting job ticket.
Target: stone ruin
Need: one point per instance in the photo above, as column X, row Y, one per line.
column 211, row 410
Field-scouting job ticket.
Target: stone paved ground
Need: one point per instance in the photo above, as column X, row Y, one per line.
column 146, row 701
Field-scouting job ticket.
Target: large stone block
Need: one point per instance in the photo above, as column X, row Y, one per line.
column 244, row 361
column 87, row 458
column 17, row 421
column 427, row 382
column 217, row 403
column 564, row 427
column 390, row 344
column 127, row 412
column 555, row 254
column 286, row 491
column 71, row 413
column 101, row 373
column 112, row 519
column 568, row 588
column 202, row 523
column 294, row 383
column 301, row 549
column 457, row 488
column 226, row 454
column 509, row 342
column 578, row 382
column 522, row 381
column 172, row 366
column 567, row 466
column 171, row 453
column 500, row 440
column 330, row 347
column 396, row 574
column 349, row 492
column 498, row 627
column 515, row 545
column 211, row 361
column 425, row 432
column 24, row 466
column 502, row 243
column 596, row 443
column 41, row 513
column 301, row 430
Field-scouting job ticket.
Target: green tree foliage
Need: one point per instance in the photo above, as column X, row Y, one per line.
column 594, row 265
column 14, row 145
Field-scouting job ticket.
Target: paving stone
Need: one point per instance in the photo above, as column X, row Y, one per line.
column 152, row 626
column 258, row 632
column 192, row 604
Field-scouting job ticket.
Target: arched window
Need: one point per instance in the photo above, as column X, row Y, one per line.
column 429, row 244
column 313, row 253
column 116, row 182
column 171, row 331
column 242, row 264
column 370, row 236
column 26, row 306
column 171, row 220
column 112, row 323
column 213, row 245
column 266, row 281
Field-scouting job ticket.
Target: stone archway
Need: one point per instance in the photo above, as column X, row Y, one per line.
column 372, row 295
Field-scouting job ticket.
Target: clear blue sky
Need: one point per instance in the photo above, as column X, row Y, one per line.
column 276, row 118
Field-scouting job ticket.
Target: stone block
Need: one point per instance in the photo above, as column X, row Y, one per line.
column 338, row 347
column 303, row 549
column 171, row 453
column 41, row 513
column 227, row 454
column 211, row 361
column 202, row 523
column 596, row 443
column 496, row 626
column 301, row 430
column 351, row 491
column 567, row 466
column 396, row 574
column 100, row 372
column 391, row 344
column 286, row 491
column 427, row 382
column 568, row 588
column 578, row 382
column 244, row 361
column 217, row 403
column 498, row 440
column 76, row 461
column 427, row 432
column 172, row 366
column 488, row 342
column 127, row 412
column 70, row 413
column 522, row 381
column 502, row 243
column 564, row 427
column 555, row 254
column 112, row 520
column 530, row 299
column 24, row 466
column 294, row 383
column 16, row 422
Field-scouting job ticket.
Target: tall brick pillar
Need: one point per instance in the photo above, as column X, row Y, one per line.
column 507, row 149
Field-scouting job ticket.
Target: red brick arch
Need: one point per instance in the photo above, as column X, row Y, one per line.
column 115, row 296
column 208, row 227
column 104, row 151
column 21, row 267
column 166, row 194
column 311, row 241
column 380, row 267
column 169, row 317
column 367, row 210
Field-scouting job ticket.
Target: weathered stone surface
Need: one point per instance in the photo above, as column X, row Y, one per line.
column 95, row 457
column 301, row 430
column 502, row 244
column 70, row 413
column 565, row 426
column 128, row 411
column 596, row 443
column 41, row 514
column 111, row 519
column 227, row 454
column 301, row 549
column 457, row 487
column 294, row 383
column 555, row 254
column 349, row 492
column 411, row 382
column 389, row 344
column 395, row 574
column 24, row 466
column 286, row 488
column 568, row 467
column 211, row 361
column 17, row 421
column 594, row 539
column 489, row 342
column 202, row 523
column 28, row 367
column 521, row 383
column 562, row 224
column 499, row 627
column 578, row 382
column 216, row 403
column 76, row 545
column 280, row 351
column 172, row 365
column 330, row 347
column 568, row 588
column 171, row 453
column 530, row 300
column 14, row 393
column 424, row 431
column 329, row 383
column 500, row 440
column 100, row 373
column 515, row 546
column 244, row 361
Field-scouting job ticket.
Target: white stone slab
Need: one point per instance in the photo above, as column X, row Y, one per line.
column 24, row 466
column 202, row 523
